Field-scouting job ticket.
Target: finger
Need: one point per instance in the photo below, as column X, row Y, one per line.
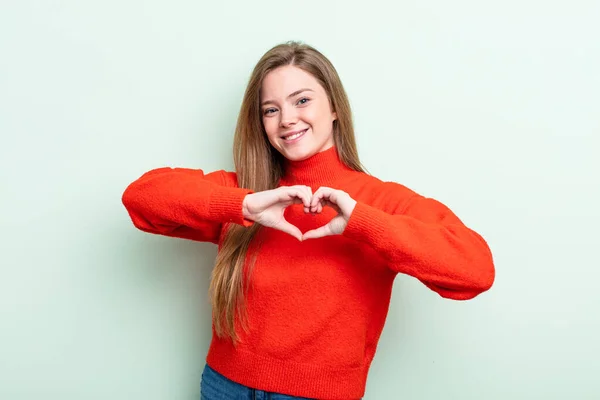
column 318, row 196
column 295, row 196
column 317, row 233
column 328, row 197
column 290, row 197
column 329, row 203
column 290, row 229
column 315, row 199
column 304, row 192
column 308, row 191
column 331, row 196
column 286, row 195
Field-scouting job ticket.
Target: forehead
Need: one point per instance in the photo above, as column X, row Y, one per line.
column 285, row 80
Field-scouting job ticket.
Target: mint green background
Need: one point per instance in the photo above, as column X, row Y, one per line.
column 491, row 107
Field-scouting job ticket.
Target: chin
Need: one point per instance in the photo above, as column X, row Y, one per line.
column 299, row 154
column 302, row 150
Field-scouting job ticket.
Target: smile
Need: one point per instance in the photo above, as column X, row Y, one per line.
column 294, row 136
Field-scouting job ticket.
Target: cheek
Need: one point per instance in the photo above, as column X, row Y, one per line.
column 270, row 126
column 320, row 117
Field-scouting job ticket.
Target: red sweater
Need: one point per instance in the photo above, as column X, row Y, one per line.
column 317, row 308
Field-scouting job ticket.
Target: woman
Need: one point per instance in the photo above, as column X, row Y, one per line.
column 309, row 244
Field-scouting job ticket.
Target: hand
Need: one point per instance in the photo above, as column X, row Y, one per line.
column 339, row 201
column 267, row 207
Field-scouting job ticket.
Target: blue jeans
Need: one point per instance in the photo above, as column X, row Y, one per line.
column 215, row 386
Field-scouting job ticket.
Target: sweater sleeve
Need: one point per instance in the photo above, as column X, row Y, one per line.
column 185, row 203
column 427, row 240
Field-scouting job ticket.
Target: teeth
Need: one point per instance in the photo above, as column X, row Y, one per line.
column 294, row 136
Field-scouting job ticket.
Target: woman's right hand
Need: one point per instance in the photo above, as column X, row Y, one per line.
column 267, row 207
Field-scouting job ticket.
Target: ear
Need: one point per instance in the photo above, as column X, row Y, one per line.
column 334, row 116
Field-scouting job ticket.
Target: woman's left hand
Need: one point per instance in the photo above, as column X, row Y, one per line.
column 340, row 201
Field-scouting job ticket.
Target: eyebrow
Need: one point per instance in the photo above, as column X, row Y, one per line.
column 297, row 92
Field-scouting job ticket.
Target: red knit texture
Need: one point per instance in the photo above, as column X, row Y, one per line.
column 316, row 308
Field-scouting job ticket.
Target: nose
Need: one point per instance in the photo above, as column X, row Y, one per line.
column 289, row 117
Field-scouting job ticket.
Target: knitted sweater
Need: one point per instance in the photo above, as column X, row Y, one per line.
column 316, row 308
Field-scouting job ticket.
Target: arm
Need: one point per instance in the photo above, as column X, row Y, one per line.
column 185, row 203
column 426, row 240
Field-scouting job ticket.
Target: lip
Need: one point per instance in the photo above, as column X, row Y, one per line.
column 293, row 133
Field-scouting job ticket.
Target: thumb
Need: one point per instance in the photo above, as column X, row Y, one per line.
column 290, row 229
column 318, row 233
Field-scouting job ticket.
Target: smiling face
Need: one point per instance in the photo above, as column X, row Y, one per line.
column 296, row 113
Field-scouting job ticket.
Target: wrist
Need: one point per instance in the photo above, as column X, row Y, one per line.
column 245, row 211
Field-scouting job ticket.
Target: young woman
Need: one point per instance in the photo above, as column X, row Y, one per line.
column 309, row 244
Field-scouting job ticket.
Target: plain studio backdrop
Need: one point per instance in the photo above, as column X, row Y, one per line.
column 491, row 108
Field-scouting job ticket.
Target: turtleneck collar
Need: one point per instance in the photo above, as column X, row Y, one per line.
column 319, row 169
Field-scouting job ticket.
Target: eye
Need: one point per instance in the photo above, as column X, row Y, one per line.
column 269, row 111
column 303, row 100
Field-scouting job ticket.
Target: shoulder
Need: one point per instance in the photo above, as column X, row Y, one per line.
column 387, row 195
column 220, row 177
column 226, row 178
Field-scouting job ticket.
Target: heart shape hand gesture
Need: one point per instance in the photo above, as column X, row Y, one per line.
column 267, row 208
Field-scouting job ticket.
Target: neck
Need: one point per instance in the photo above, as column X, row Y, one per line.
column 319, row 169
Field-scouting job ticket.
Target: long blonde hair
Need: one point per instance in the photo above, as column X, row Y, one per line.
column 259, row 167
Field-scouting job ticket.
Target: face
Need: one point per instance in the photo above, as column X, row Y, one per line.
column 296, row 113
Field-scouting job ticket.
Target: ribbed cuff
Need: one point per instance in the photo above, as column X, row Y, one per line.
column 226, row 205
column 366, row 224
